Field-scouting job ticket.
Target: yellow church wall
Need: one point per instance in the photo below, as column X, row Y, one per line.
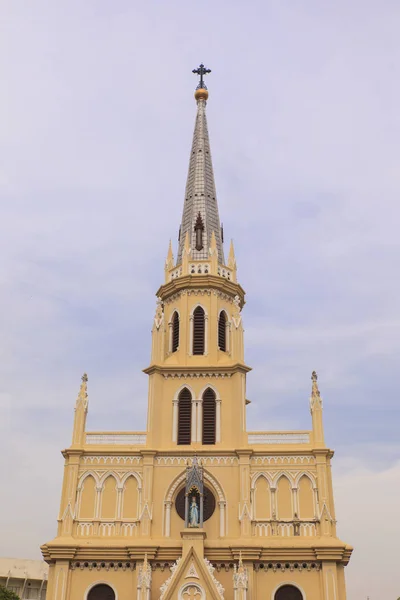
column 267, row 582
column 262, row 499
column 87, row 504
column 130, row 499
column 306, row 498
column 123, row 582
column 109, row 499
column 284, row 499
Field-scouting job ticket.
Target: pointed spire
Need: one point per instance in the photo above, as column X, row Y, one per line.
column 200, row 195
column 231, row 257
column 81, row 409
column 82, row 396
column 316, row 412
column 169, row 262
column 315, row 399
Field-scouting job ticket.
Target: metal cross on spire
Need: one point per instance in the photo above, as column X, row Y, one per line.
column 201, row 70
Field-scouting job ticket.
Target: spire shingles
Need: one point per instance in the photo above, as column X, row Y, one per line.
column 200, row 196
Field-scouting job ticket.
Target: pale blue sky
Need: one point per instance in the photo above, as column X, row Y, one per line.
column 97, row 116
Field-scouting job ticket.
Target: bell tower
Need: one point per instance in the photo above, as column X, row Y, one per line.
column 198, row 331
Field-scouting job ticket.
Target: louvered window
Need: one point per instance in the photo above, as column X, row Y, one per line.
column 198, row 330
column 209, row 416
column 184, row 417
column 222, row 331
column 175, row 332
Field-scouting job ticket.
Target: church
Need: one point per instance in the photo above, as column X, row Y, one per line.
column 197, row 507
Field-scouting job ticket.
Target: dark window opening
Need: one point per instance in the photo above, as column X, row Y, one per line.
column 175, row 332
column 222, row 331
column 198, row 331
column 288, row 592
column 185, row 417
column 101, row 592
column 209, row 416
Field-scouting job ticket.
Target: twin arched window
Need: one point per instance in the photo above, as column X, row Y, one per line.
column 208, row 416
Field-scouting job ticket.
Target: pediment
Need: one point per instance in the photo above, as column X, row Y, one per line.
column 192, row 579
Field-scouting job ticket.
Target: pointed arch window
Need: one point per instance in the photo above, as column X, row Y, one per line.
column 222, row 326
column 184, row 417
column 199, row 329
column 175, row 332
column 209, row 416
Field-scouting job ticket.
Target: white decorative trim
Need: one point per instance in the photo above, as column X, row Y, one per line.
column 166, row 583
column 272, row 459
column 218, row 585
column 279, row 438
column 187, row 586
column 215, row 461
column 112, row 460
column 126, row 439
column 196, row 375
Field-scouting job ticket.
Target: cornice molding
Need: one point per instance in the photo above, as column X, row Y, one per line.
column 196, row 372
column 198, row 282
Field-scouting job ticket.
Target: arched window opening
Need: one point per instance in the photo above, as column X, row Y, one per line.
column 199, row 228
column 222, row 331
column 175, row 332
column 101, row 592
column 288, row 592
column 199, row 327
column 185, row 417
column 209, row 416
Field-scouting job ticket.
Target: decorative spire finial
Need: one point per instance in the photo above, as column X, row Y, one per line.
column 201, row 70
column 82, row 396
column 315, row 395
column 201, row 92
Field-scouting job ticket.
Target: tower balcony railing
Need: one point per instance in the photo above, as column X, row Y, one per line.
column 285, row 528
column 282, row 437
column 200, row 267
column 120, row 438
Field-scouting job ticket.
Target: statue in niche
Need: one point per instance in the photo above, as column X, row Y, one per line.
column 194, row 518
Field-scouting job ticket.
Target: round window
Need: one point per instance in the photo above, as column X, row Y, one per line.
column 209, row 503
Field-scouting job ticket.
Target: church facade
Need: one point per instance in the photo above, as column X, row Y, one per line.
column 196, row 507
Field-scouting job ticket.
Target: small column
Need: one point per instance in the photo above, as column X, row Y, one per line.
column 295, row 500
column 201, row 510
column 175, row 409
column 186, row 510
column 194, row 420
column 316, row 503
column 190, row 335
column 199, row 420
column 206, row 328
column 97, row 503
column 218, row 421
column 170, row 336
column 222, row 505
column 273, row 499
column 168, row 505
column 119, row 501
